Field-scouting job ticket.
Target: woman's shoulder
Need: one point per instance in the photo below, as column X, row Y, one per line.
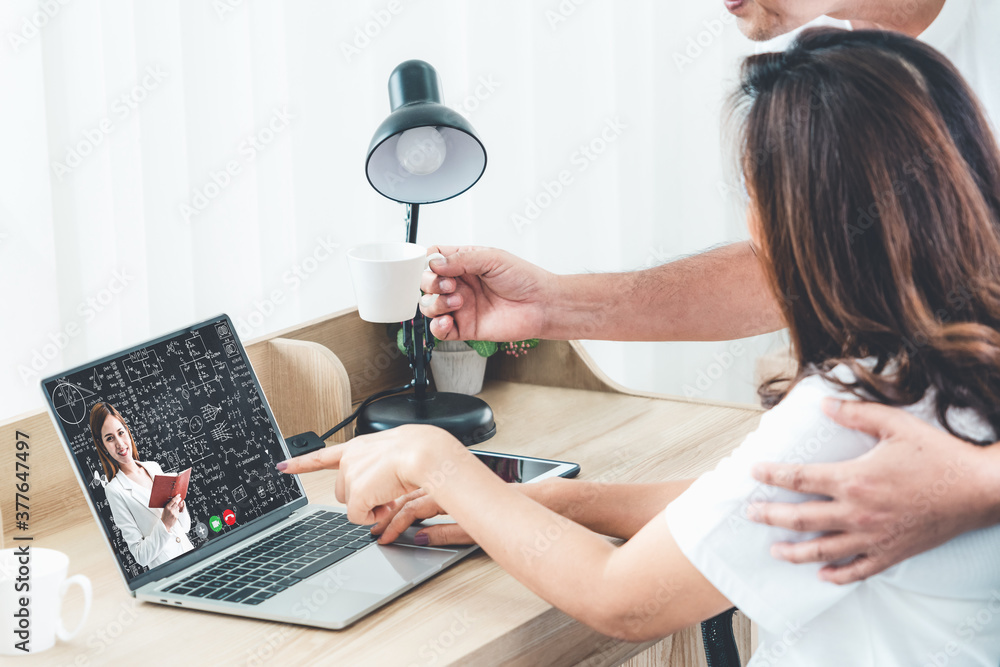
column 810, row 392
column 797, row 430
column 834, row 383
column 115, row 484
column 804, row 402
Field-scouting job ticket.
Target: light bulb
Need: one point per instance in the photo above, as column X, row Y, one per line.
column 421, row 151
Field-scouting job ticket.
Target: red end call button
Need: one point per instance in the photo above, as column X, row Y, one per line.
column 229, row 517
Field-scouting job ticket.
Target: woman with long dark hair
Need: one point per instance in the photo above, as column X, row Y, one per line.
column 874, row 204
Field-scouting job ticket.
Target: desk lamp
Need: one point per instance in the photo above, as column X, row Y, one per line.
column 424, row 153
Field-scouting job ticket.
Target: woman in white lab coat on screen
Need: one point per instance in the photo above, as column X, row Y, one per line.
column 154, row 535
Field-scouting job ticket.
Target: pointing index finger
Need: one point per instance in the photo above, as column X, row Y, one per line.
column 327, row 458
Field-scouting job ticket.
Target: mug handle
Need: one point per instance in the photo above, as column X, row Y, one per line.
column 84, row 583
column 430, row 258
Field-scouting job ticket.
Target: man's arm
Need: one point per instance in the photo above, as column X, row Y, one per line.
column 488, row 294
column 721, row 294
column 917, row 489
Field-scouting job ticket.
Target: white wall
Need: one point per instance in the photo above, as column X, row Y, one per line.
column 116, row 115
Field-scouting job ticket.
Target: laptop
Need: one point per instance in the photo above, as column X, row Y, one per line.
column 247, row 541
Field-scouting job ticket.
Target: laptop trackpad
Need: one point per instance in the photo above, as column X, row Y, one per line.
column 381, row 569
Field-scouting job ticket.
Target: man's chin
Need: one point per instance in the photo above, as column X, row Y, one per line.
column 759, row 33
column 759, row 24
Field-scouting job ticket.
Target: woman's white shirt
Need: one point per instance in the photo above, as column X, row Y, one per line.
column 141, row 526
column 941, row 607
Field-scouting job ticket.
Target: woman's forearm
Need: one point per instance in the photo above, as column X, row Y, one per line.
column 641, row 590
column 550, row 554
column 616, row 510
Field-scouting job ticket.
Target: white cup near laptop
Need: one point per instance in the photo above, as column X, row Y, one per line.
column 44, row 571
column 386, row 279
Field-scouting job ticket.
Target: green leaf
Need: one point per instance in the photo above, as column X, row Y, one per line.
column 485, row 348
column 401, row 341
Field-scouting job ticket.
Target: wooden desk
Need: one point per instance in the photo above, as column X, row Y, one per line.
column 554, row 403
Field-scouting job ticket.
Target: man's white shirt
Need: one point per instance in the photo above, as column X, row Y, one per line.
column 966, row 31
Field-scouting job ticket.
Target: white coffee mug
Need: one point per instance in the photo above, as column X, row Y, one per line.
column 32, row 587
column 386, row 279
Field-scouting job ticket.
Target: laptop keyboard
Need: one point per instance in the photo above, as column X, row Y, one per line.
column 281, row 560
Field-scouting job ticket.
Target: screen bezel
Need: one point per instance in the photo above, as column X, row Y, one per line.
column 215, row 545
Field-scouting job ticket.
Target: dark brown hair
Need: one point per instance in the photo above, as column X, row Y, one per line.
column 875, row 181
column 98, row 415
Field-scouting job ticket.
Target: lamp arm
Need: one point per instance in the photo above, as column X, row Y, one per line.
column 412, row 217
column 416, row 329
column 418, row 353
column 420, row 357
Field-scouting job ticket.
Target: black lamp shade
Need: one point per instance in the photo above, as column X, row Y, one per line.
column 415, row 100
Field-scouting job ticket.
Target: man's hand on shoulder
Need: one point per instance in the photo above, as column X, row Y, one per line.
column 916, row 489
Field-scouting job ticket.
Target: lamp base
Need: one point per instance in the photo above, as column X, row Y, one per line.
column 468, row 418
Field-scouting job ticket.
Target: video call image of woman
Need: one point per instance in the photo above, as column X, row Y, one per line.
column 153, row 535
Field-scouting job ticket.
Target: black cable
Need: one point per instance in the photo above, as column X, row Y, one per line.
column 364, row 404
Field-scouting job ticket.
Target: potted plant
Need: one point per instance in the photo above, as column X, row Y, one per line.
column 459, row 365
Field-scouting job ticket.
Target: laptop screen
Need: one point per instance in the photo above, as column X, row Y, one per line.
column 133, row 421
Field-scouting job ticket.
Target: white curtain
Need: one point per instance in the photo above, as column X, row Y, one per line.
column 167, row 161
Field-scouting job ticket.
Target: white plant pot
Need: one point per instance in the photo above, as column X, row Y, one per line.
column 457, row 368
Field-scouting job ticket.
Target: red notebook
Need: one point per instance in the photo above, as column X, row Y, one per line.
column 166, row 487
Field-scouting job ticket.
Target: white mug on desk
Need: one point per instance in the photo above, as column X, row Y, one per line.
column 386, row 279
column 32, row 586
